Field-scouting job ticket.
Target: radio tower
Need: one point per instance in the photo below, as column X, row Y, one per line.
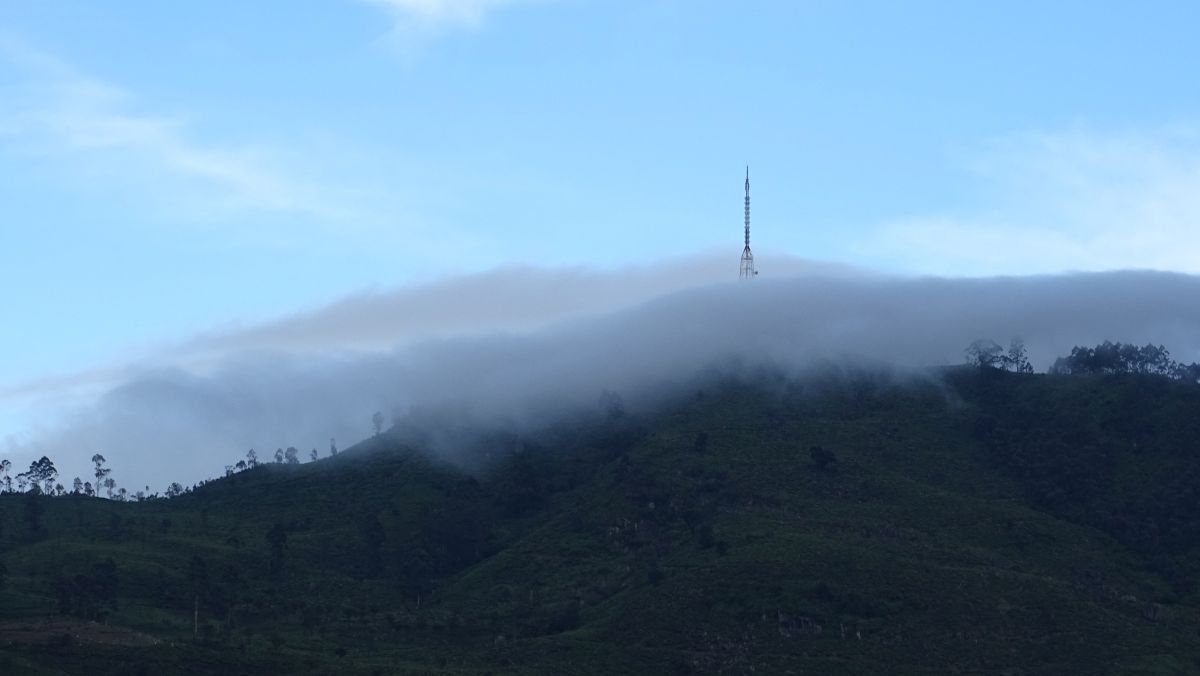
column 747, row 271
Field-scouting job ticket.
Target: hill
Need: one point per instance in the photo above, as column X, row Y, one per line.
column 960, row 521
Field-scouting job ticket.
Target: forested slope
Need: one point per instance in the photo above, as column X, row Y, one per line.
column 959, row 521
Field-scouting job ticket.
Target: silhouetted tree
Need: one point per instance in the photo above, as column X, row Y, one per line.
column 41, row 475
column 109, row 484
column 313, row 455
column 377, row 422
column 1017, row 359
column 985, row 354
column 5, row 479
column 1187, row 372
column 77, row 486
column 291, row 455
column 1117, row 358
column 251, row 458
column 174, row 490
column 101, row 472
column 279, row 455
column 332, row 447
column 87, row 489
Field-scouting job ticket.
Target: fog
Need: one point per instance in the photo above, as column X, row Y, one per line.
column 516, row 350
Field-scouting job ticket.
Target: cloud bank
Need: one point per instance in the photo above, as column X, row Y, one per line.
column 288, row 383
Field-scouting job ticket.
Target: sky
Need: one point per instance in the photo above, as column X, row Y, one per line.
column 179, row 179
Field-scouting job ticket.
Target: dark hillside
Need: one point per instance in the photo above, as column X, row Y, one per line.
column 970, row 522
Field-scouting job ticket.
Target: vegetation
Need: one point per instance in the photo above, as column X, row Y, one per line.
column 980, row 520
column 1117, row 358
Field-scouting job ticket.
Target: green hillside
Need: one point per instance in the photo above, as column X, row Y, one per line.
column 966, row 521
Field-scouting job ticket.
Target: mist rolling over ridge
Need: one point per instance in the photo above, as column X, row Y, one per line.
column 189, row 412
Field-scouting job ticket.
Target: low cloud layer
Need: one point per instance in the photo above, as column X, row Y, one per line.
column 516, row 347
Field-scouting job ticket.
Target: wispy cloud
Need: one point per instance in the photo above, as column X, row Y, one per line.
column 50, row 108
column 1071, row 200
column 416, row 21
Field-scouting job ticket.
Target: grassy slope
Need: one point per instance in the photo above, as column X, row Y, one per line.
column 700, row 541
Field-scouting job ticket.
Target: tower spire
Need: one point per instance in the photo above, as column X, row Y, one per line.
column 747, row 205
column 746, row 270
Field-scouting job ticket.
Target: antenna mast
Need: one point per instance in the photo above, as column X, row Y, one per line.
column 746, row 270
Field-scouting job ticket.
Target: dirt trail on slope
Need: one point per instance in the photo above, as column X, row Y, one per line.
column 79, row 631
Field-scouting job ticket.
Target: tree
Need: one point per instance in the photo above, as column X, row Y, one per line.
column 251, row 458
column 1017, row 359
column 87, row 489
column 1110, row 358
column 313, row 456
column 174, row 490
column 332, row 447
column 41, row 475
column 109, row 484
column 1189, row 373
column 985, row 354
column 5, row 479
column 821, row 458
column 291, row 455
column 278, row 455
column 377, row 422
column 77, row 486
column 101, row 471
column 240, row 466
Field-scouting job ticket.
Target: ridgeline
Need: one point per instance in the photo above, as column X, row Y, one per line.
column 971, row 521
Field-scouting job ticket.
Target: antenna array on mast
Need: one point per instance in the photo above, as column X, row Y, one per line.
column 746, row 270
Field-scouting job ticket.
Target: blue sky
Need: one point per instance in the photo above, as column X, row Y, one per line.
column 169, row 168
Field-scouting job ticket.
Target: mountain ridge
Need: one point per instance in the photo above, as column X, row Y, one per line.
column 946, row 526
